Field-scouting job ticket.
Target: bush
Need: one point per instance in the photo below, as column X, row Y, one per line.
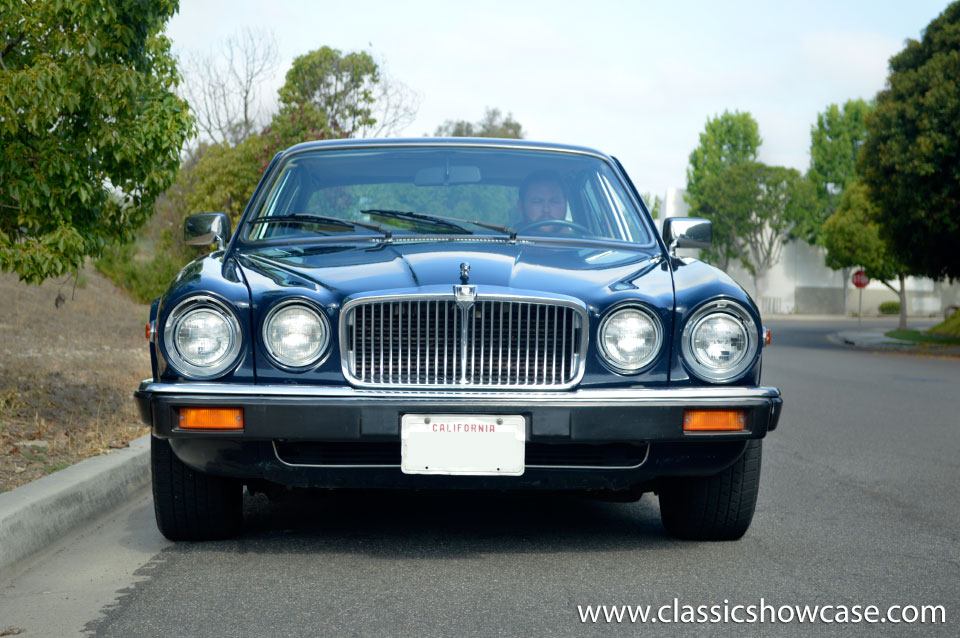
column 890, row 308
column 142, row 280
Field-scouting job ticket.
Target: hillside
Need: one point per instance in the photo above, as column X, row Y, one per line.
column 67, row 373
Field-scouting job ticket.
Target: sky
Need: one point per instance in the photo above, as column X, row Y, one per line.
column 636, row 80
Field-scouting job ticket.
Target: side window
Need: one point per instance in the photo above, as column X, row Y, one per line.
column 276, row 200
column 598, row 218
column 630, row 225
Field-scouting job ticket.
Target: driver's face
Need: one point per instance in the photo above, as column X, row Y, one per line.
column 543, row 200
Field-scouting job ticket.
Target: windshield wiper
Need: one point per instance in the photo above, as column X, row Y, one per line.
column 420, row 217
column 449, row 222
column 497, row 227
column 321, row 220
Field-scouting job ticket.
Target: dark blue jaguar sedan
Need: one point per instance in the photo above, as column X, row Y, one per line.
column 453, row 314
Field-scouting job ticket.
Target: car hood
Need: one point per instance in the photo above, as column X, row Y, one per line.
column 585, row 271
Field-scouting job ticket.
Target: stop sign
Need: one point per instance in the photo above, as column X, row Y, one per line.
column 860, row 279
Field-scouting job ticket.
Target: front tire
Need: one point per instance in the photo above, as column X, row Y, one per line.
column 713, row 508
column 191, row 505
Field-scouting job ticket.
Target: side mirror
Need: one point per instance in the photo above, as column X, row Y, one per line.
column 687, row 232
column 204, row 229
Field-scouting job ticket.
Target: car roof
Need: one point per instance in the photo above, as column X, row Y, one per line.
column 440, row 142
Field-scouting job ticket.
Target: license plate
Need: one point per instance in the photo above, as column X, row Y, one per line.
column 465, row 444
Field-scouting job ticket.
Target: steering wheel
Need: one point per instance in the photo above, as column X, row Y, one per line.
column 563, row 223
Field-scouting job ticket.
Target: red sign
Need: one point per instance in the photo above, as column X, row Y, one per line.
column 860, row 279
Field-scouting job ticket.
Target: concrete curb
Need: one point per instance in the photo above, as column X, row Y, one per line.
column 36, row 515
column 871, row 338
column 877, row 341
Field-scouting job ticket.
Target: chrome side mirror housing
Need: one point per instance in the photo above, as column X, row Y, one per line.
column 687, row 232
column 204, row 229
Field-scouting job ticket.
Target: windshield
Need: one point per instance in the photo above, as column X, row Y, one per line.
column 411, row 191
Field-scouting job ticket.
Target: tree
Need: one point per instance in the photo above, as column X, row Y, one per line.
column 223, row 177
column 338, row 87
column 90, row 128
column 754, row 209
column 852, row 238
column 223, row 89
column 395, row 107
column 911, row 159
column 727, row 140
column 835, row 141
column 327, row 94
column 493, row 124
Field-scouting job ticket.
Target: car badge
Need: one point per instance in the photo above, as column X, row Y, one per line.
column 464, row 272
column 465, row 295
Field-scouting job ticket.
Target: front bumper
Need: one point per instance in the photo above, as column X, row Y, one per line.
column 289, row 415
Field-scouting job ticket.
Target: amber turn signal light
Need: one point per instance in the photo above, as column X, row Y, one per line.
column 714, row 420
column 211, row 419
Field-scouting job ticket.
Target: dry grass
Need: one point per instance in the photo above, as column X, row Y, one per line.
column 67, row 374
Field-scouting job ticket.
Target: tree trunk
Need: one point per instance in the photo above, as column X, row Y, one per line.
column 903, row 303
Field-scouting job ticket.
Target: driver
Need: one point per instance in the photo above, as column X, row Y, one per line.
column 542, row 198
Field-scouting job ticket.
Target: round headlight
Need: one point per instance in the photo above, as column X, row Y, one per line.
column 295, row 335
column 630, row 338
column 202, row 337
column 719, row 341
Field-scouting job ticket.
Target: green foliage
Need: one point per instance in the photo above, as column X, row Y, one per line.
column 326, row 94
column 56, row 467
column 923, row 337
column 223, row 178
column 948, row 328
column 889, row 308
column 90, row 128
column 852, row 237
column 493, row 124
column 293, row 125
column 337, row 87
column 144, row 269
column 754, row 208
column 911, row 159
column 835, row 140
column 727, row 140
column 143, row 280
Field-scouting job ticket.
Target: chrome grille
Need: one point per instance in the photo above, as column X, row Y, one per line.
column 436, row 342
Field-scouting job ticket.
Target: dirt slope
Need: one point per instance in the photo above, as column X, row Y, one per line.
column 67, row 373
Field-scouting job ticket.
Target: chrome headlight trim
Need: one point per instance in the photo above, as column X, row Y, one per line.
column 738, row 313
column 175, row 319
column 609, row 359
column 289, row 364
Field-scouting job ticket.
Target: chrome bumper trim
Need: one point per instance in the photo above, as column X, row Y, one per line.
column 565, row 398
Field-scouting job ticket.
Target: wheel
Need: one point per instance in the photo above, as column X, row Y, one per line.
column 713, row 508
column 190, row 505
column 562, row 223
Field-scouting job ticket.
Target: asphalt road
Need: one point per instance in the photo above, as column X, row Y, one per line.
column 858, row 506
